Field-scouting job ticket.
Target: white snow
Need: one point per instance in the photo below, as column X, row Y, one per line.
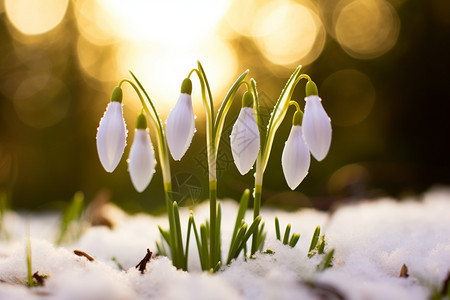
column 372, row 240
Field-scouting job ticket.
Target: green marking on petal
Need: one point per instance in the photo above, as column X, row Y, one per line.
column 247, row 100
column 298, row 117
column 186, row 86
column 117, row 95
column 311, row 89
column 141, row 122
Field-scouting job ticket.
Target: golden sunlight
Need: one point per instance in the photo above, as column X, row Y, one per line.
column 366, row 28
column 34, row 17
column 158, row 43
column 289, row 33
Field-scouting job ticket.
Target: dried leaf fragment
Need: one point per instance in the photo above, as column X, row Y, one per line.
column 404, row 272
column 39, row 278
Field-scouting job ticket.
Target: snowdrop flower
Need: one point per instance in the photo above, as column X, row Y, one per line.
column 295, row 158
column 141, row 162
column 316, row 124
column 112, row 133
column 180, row 125
column 244, row 137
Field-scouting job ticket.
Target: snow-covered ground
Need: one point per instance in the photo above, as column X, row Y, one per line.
column 372, row 240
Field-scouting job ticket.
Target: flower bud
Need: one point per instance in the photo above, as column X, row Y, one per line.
column 141, row 162
column 112, row 133
column 316, row 127
column 180, row 125
column 244, row 140
column 295, row 159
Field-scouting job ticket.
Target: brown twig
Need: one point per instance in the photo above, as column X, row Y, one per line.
column 81, row 253
column 143, row 263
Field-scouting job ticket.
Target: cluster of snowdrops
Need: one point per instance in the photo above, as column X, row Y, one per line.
column 251, row 145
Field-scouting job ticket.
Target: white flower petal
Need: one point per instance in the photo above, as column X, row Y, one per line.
column 111, row 136
column 141, row 162
column 295, row 159
column 244, row 140
column 180, row 126
column 316, row 127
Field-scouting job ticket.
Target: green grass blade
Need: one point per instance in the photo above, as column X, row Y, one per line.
column 315, row 239
column 148, row 103
column 327, row 260
column 243, row 205
column 164, row 234
column 256, row 109
column 252, row 229
column 321, row 246
column 28, row 257
column 205, row 79
column 180, row 253
column 204, row 237
column 71, row 214
column 237, row 243
column 261, row 228
column 261, row 240
column 294, row 239
column 278, row 114
column 217, row 267
column 261, row 236
column 286, row 234
column 188, row 237
column 199, row 244
column 277, row 229
column 159, row 248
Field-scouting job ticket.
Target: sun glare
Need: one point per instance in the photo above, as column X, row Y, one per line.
column 163, row 76
column 170, row 23
column 289, row 33
column 160, row 41
column 34, row 17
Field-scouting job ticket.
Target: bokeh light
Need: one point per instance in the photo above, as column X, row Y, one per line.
column 288, row 33
column 239, row 13
column 366, row 28
column 94, row 23
column 170, row 23
column 35, row 16
column 60, row 60
column 96, row 61
column 163, row 77
column 349, row 95
column 37, row 103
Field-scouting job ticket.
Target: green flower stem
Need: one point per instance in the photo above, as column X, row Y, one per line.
column 28, row 255
column 297, row 107
column 211, row 153
column 150, row 109
column 256, row 208
column 277, row 117
column 213, row 134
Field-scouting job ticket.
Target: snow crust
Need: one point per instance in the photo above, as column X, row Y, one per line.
column 372, row 240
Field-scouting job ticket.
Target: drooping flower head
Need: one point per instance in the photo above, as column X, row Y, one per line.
column 316, row 123
column 244, row 137
column 295, row 158
column 141, row 162
column 180, row 125
column 112, row 133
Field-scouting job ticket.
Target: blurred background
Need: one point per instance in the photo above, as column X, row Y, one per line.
column 381, row 67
